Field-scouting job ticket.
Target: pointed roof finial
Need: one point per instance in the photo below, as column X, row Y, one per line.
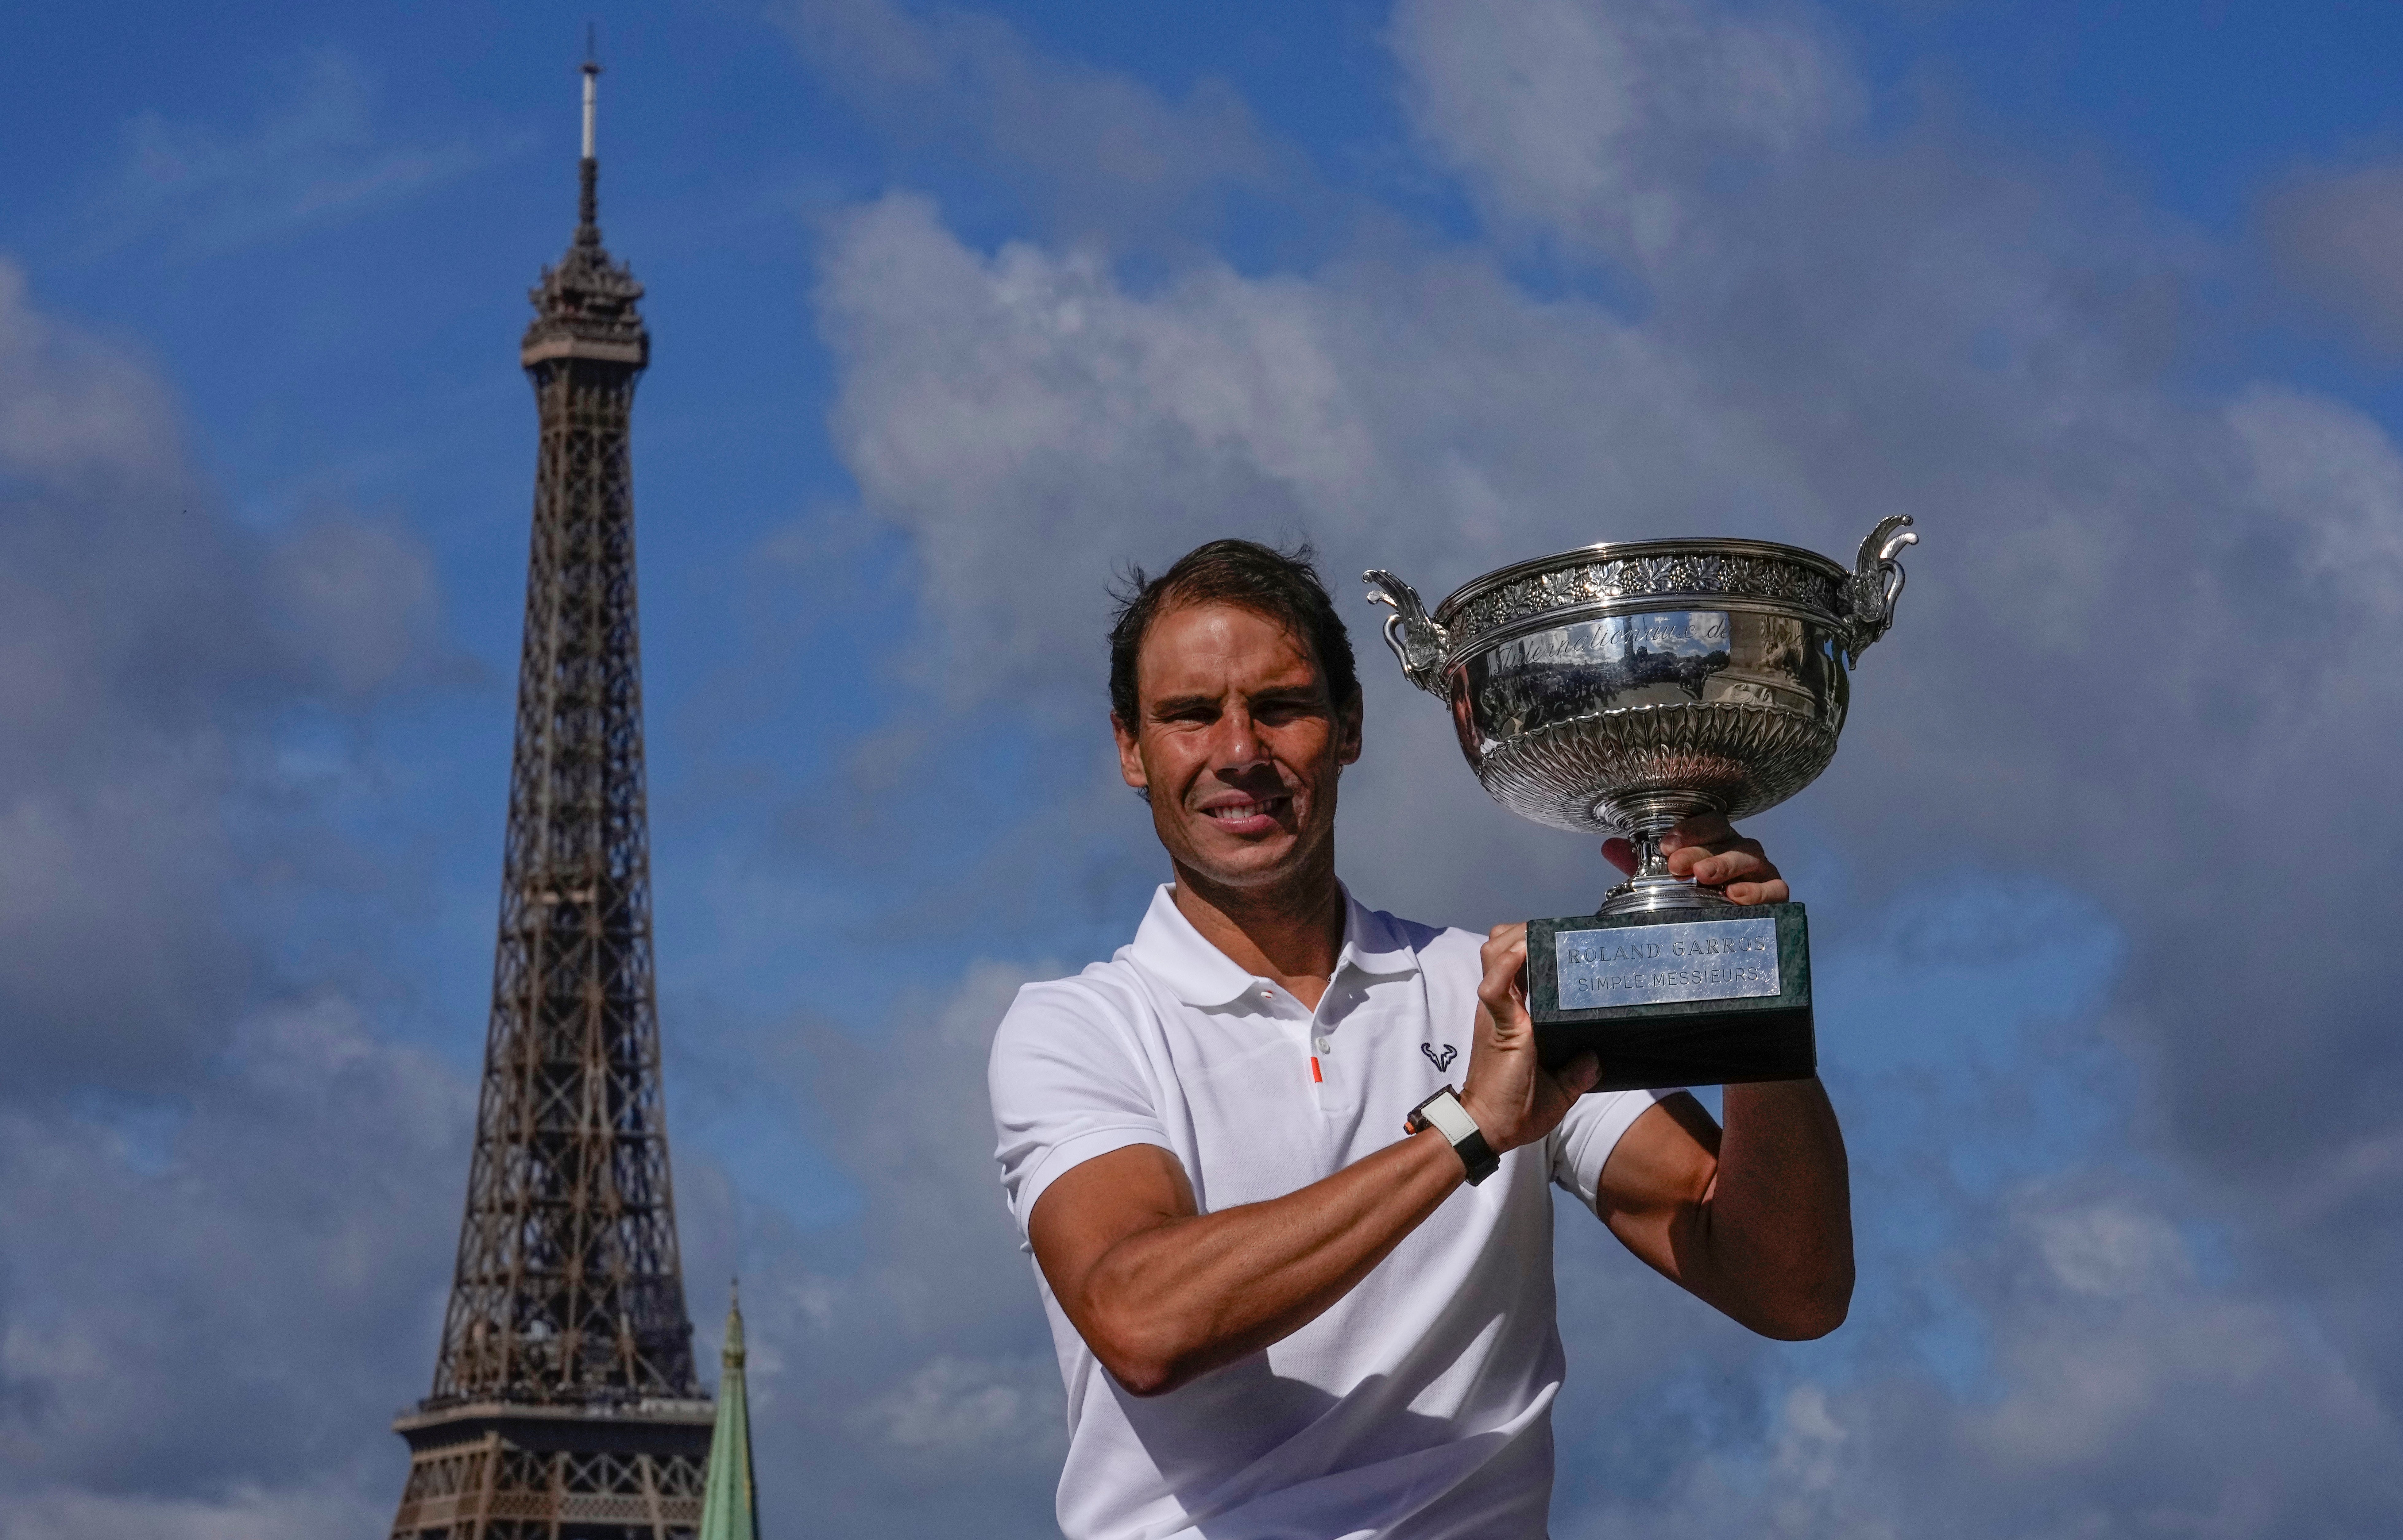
column 730, row 1496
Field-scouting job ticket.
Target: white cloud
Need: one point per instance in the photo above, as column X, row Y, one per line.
column 313, row 159
column 277, row 1260
column 2333, row 234
column 219, row 1259
column 1032, row 424
column 149, row 646
column 71, row 410
column 1098, row 150
column 246, row 1513
column 1606, row 121
column 2155, row 1404
column 2338, row 477
column 952, row 1409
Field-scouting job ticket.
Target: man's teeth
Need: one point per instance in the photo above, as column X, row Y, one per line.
column 1244, row 809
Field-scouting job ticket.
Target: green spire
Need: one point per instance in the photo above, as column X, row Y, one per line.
column 729, row 1504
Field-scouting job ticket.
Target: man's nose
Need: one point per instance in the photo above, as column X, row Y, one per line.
column 1238, row 745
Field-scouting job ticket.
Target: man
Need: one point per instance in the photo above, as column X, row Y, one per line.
column 1279, row 1316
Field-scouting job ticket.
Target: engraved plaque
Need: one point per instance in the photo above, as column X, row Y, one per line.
column 1654, row 964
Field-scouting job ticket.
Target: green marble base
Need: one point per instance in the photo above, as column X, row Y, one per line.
column 1687, row 997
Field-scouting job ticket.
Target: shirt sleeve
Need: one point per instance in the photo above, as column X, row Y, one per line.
column 1067, row 1084
column 1581, row 1145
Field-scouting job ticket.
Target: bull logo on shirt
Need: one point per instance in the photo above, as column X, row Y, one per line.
column 1442, row 1060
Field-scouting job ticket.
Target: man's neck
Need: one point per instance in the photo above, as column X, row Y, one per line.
column 1291, row 933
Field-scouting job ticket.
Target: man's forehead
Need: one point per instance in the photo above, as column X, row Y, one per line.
column 1210, row 646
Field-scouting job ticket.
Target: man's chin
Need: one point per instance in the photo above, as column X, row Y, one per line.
column 1264, row 862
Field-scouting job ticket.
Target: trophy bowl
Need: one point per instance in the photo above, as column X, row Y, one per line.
column 1622, row 687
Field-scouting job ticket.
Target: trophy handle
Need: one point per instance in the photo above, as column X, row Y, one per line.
column 1875, row 584
column 1418, row 642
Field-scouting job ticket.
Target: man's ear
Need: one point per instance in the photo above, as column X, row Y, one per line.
column 1348, row 722
column 1131, row 769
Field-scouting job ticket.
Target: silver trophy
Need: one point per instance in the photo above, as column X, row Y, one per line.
column 1619, row 688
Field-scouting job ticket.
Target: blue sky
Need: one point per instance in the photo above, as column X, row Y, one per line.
column 955, row 311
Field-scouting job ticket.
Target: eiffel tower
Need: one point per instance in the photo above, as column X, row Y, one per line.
column 565, row 1403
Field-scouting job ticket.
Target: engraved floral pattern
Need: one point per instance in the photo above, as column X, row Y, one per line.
column 1699, row 574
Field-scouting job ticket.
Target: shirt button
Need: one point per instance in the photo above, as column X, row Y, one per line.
column 1323, row 1044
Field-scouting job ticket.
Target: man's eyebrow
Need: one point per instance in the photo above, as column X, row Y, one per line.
column 1276, row 694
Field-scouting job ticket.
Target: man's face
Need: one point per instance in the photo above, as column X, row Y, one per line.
column 1238, row 745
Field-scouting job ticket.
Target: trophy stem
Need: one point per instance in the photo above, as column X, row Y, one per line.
column 1646, row 816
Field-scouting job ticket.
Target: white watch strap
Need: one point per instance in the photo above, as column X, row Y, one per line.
column 1449, row 1117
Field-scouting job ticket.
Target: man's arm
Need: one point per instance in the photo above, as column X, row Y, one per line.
column 1163, row 1293
column 1756, row 1219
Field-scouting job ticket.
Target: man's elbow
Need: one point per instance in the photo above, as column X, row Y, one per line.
column 1143, row 1378
column 1144, row 1362
column 1804, row 1324
column 1809, row 1311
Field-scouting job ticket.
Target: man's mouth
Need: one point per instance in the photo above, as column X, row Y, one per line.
column 1252, row 816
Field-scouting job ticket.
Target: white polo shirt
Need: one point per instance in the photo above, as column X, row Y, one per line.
column 1419, row 1405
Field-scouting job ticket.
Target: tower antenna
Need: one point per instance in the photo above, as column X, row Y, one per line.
column 591, row 85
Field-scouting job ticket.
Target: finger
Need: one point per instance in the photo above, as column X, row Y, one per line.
column 1619, row 853
column 1744, row 863
column 1702, row 828
column 1503, row 964
column 1690, row 860
column 1499, row 990
column 1773, row 890
column 1500, row 938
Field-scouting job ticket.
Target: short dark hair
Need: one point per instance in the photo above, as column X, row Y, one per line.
column 1280, row 584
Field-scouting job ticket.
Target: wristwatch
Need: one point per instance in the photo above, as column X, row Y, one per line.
column 1443, row 1112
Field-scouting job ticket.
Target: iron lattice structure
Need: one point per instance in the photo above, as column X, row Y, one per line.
column 564, row 1404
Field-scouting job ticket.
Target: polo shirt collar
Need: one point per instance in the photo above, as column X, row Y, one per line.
column 1173, row 951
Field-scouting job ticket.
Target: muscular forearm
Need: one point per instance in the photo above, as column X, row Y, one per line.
column 1177, row 1299
column 1774, row 1231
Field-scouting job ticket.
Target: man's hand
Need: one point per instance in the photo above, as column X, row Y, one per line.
column 1514, row 1099
column 1707, row 849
